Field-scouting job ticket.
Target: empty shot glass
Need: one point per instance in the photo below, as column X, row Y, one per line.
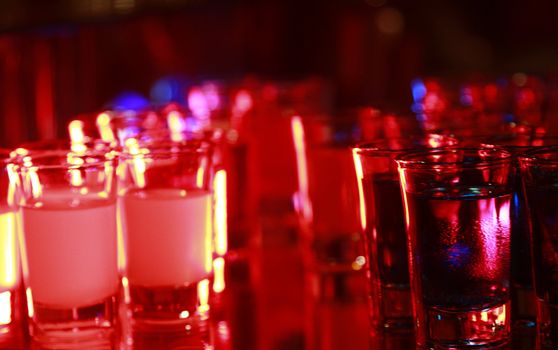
column 167, row 222
column 539, row 170
column 327, row 196
column 383, row 224
column 67, row 208
column 457, row 211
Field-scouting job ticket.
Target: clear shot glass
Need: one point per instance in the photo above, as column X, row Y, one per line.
column 166, row 205
column 457, row 212
column 67, row 209
column 383, row 224
column 539, row 170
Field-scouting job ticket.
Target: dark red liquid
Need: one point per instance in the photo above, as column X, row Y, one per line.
column 461, row 247
column 387, row 238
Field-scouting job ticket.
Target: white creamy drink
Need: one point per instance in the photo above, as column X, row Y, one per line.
column 71, row 253
column 169, row 236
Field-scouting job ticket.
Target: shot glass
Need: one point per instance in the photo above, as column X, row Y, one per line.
column 539, row 169
column 331, row 244
column 327, row 196
column 167, row 221
column 457, row 211
column 12, row 295
column 67, row 208
column 383, row 223
column 523, row 308
column 523, row 303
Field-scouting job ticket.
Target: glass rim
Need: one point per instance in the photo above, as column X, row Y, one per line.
column 164, row 135
column 416, row 160
column 534, row 154
column 164, row 149
column 369, row 147
column 29, row 159
column 62, row 143
column 521, row 150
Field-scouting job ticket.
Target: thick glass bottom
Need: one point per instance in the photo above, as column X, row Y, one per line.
column 391, row 309
column 457, row 329
column 169, row 309
column 89, row 327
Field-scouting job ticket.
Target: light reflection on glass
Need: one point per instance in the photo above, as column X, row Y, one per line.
column 220, row 186
column 200, row 177
column 8, row 247
column 211, row 94
column 176, row 126
column 302, row 168
column 360, row 175
column 223, row 332
column 203, row 296
column 77, row 136
column 126, row 289
column 219, row 275
column 139, row 165
column 198, row 104
column 5, row 308
column 29, row 296
column 242, row 102
column 103, row 125
column 209, row 239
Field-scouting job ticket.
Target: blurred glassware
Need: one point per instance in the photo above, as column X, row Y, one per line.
column 539, row 169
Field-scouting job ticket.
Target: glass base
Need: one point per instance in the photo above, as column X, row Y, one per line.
column 450, row 329
column 198, row 338
column 89, row 327
column 390, row 309
column 168, row 309
column 524, row 308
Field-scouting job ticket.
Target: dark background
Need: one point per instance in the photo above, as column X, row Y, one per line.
column 62, row 58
